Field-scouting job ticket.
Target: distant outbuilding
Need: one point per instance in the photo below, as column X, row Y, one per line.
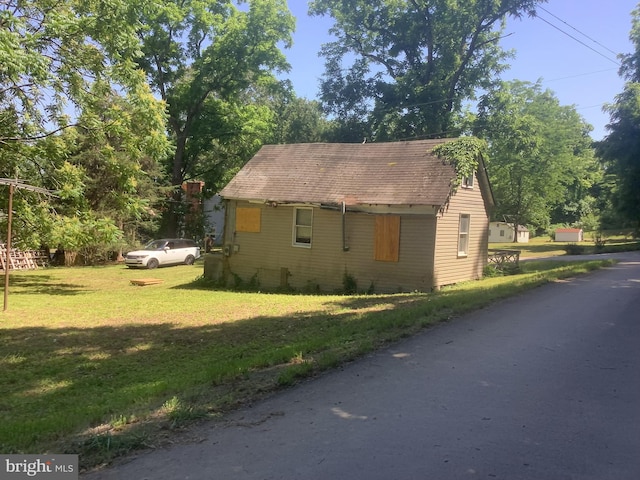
column 569, row 235
column 501, row 232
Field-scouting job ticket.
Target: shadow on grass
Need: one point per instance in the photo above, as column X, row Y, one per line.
column 201, row 283
column 99, row 392
column 102, row 392
column 42, row 285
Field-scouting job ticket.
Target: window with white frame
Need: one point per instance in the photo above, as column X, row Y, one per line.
column 463, row 234
column 302, row 225
column 467, row 182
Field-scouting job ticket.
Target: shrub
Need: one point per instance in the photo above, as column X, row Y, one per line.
column 599, row 241
column 349, row 284
column 492, row 270
column 573, row 249
column 253, row 285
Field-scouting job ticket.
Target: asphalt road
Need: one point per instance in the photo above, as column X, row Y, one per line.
column 542, row 386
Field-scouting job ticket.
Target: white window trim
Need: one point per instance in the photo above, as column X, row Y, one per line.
column 468, row 182
column 463, row 253
column 295, row 227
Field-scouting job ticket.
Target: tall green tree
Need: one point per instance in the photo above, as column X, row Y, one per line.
column 201, row 57
column 52, row 52
column 620, row 149
column 540, row 153
column 105, row 178
column 402, row 68
column 122, row 178
column 299, row 120
column 265, row 113
column 67, row 74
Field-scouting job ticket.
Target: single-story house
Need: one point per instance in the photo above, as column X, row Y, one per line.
column 569, row 235
column 387, row 216
column 501, row 232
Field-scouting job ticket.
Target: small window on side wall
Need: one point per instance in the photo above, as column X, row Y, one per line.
column 467, row 182
column 302, row 226
column 463, row 235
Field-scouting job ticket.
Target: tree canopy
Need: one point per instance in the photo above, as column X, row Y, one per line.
column 53, row 53
column 620, row 149
column 402, row 68
column 70, row 90
column 540, row 155
column 203, row 57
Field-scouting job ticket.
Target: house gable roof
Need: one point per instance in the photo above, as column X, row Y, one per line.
column 394, row 173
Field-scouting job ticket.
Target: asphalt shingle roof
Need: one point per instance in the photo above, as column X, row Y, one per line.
column 394, row 173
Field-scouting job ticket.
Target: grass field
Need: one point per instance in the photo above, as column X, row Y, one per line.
column 93, row 365
column 543, row 246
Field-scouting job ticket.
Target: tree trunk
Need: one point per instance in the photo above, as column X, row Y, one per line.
column 174, row 211
column 120, row 257
column 70, row 258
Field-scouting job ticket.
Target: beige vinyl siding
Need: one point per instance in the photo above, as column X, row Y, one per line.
column 450, row 267
column 324, row 264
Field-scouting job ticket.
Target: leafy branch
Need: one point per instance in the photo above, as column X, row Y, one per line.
column 463, row 155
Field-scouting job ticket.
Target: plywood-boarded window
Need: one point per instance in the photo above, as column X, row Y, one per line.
column 387, row 238
column 247, row 219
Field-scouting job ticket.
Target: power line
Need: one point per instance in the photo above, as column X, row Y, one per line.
column 599, row 105
column 578, row 40
column 580, row 32
column 577, row 75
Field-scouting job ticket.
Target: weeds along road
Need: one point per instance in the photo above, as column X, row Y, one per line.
column 543, row 385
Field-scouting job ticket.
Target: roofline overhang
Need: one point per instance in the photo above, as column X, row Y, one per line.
column 381, row 208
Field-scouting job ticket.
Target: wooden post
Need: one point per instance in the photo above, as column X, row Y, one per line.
column 7, row 266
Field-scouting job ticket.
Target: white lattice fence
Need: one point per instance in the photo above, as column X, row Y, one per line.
column 504, row 259
column 23, row 259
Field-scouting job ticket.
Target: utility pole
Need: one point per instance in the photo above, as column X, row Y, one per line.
column 8, row 252
column 13, row 185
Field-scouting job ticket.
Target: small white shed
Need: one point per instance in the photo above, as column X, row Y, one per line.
column 569, row 235
column 501, row 232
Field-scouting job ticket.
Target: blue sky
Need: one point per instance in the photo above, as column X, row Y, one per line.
column 578, row 75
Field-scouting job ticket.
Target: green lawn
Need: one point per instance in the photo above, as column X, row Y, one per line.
column 93, row 365
column 544, row 246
